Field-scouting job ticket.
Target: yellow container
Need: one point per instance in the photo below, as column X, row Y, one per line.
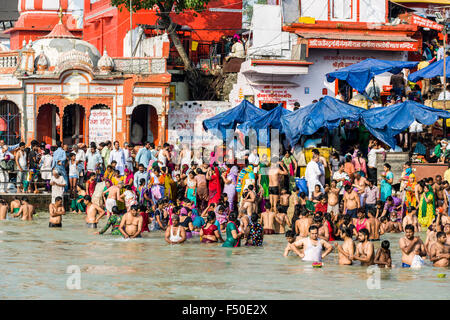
column 308, row 20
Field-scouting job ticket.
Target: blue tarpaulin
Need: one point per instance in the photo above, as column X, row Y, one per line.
column 326, row 113
column 359, row 75
column 386, row 122
column 433, row 70
column 270, row 120
column 244, row 111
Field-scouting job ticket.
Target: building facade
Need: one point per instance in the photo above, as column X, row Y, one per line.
column 59, row 87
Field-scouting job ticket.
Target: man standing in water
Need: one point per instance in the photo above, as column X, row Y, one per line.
column 409, row 245
column 351, row 201
column 268, row 219
column 440, row 251
column 175, row 234
column 56, row 211
column 313, row 246
column 302, row 225
column 131, row 224
column 26, row 210
column 364, row 250
column 347, row 249
column 276, row 168
column 3, row 209
column 93, row 213
column 113, row 196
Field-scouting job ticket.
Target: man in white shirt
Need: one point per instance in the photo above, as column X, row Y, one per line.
column 446, row 92
column 58, row 184
column 312, row 174
column 253, row 158
column 118, row 155
column 340, row 176
column 129, row 161
column 372, row 159
column 93, row 159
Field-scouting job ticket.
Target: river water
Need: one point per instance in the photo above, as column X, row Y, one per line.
column 35, row 259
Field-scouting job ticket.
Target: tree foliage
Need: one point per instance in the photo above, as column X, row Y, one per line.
column 162, row 6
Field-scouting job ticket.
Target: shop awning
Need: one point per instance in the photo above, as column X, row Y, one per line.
column 245, row 111
column 433, row 70
column 386, row 122
column 359, row 75
column 326, row 113
column 270, row 120
column 359, row 41
column 421, row 22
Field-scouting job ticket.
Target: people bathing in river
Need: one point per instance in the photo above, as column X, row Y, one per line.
column 235, row 204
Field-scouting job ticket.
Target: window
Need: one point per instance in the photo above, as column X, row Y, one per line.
column 342, row 9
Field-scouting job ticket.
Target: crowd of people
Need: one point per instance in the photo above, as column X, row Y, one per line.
column 213, row 199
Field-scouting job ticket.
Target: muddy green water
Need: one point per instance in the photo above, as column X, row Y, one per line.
column 34, row 261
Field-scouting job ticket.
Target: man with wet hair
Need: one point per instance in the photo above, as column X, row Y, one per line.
column 410, row 245
column 313, row 246
column 56, row 211
column 440, row 251
column 93, row 212
column 365, row 249
column 131, row 224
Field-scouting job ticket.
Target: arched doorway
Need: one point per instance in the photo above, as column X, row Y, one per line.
column 9, row 122
column 73, row 124
column 144, row 124
column 48, row 127
column 100, row 124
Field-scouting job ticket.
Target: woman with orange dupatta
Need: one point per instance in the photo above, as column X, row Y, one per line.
column 410, row 197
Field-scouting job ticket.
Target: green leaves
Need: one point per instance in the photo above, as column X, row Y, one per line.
column 175, row 6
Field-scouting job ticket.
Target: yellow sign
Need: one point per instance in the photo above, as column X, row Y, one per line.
column 194, row 45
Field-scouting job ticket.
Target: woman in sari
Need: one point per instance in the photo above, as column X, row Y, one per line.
column 230, row 180
column 291, row 166
column 170, row 185
column 410, row 198
column 129, row 179
column 263, row 178
column 233, row 234
column 387, row 178
column 215, row 191
column 191, row 188
column 427, row 208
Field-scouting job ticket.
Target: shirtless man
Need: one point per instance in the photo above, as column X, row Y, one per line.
column 440, row 251
column 291, row 246
column 322, row 227
column 348, row 247
column 281, row 220
column 373, row 225
column 333, row 198
column 383, row 256
column 249, row 201
column 360, row 183
column 268, row 219
column 3, row 209
column 284, row 200
column 411, row 218
column 313, row 246
column 245, row 221
column 93, row 213
column 26, row 210
column 364, row 250
column 438, row 189
column 276, row 169
column 56, row 211
column 302, row 225
column 113, row 197
column 387, row 226
column 351, row 201
column 131, row 224
column 408, row 245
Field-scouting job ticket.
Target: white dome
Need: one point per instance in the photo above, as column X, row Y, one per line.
column 106, row 63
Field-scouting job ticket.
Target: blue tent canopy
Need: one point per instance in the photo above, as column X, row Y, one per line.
column 433, row 70
column 244, row 111
column 272, row 119
column 359, row 75
column 386, row 122
column 326, row 113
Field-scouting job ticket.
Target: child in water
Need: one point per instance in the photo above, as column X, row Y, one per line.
column 383, row 256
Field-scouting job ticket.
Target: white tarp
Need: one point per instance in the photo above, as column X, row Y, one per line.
column 266, row 28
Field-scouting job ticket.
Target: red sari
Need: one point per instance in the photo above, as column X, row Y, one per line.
column 214, row 187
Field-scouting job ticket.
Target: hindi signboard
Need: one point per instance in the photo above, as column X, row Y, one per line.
column 100, row 126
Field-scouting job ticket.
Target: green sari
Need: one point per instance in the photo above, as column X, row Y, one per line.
column 264, row 180
column 231, row 242
column 427, row 211
column 78, row 205
column 289, row 164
